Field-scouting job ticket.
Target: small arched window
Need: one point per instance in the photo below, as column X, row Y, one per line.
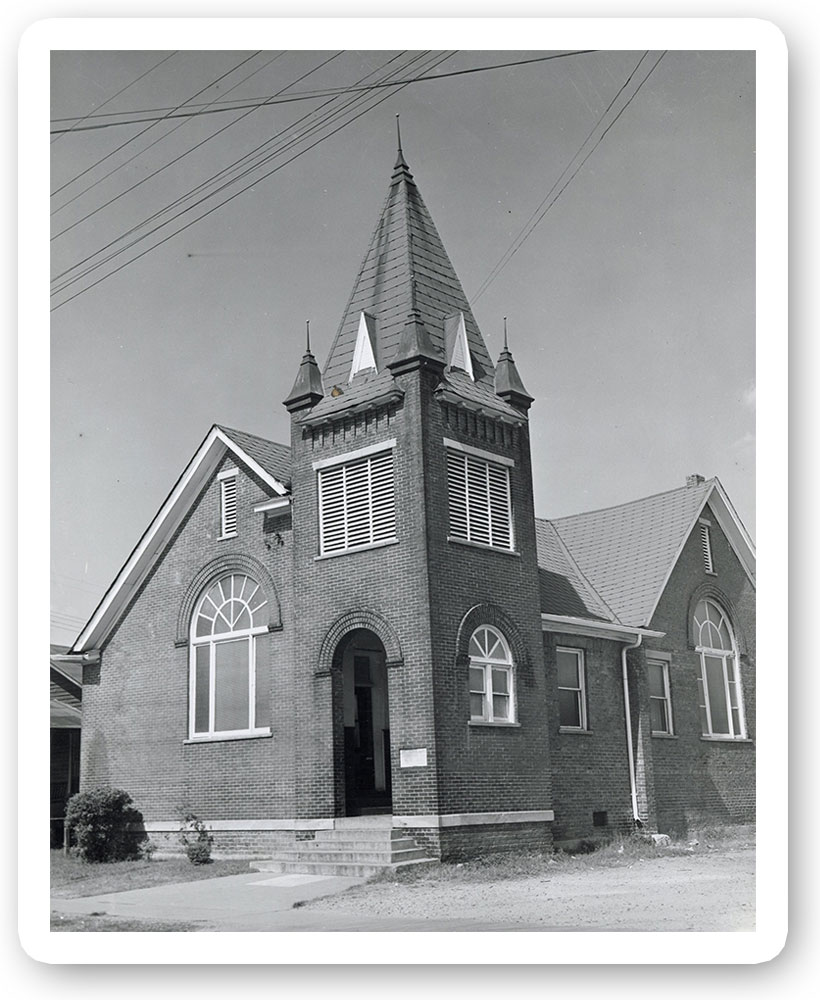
column 225, row 699
column 492, row 696
column 719, row 690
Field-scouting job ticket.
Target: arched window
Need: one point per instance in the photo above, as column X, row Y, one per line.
column 721, row 697
column 224, row 698
column 492, row 697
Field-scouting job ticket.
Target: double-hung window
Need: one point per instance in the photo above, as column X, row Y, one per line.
column 660, row 699
column 225, row 698
column 357, row 500
column 478, row 492
column 572, row 707
column 491, row 677
column 720, row 694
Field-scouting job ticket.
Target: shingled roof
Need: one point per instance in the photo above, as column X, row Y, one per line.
column 405, row 268
column 274, row 458
column 627, row 552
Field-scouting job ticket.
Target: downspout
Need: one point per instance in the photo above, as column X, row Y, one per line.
column 628, row 721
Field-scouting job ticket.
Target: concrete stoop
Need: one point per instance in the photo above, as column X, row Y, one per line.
column 356, row 846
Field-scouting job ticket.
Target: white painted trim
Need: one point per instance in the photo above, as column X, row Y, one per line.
column 732, row 527
column 488, row 456
column 580, row 659
column 228, row 473
column 475, row 819
column 351, row 456
column 169, row 516
column 276, row 504
column 583, row 626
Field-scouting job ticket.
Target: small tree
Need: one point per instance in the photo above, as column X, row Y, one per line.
column 105, row 824
column 196, row 839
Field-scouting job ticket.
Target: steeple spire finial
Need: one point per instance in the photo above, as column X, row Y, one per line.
column 508, row 384
column 400, row 160
column 307, row 336
column 505, row 334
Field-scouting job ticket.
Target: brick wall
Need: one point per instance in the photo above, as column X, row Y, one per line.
column 696, row 780
column 135, row 705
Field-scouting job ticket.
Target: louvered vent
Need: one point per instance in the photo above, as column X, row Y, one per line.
column 357, row 505
column 479, row 497
column 706, row 547
column 229, row 506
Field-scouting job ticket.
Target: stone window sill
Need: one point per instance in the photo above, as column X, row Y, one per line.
column 259, row 734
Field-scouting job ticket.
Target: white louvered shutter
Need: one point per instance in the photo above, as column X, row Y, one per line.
column 229, row 505
column 357, row 505
column 479, row 501
column 706, row 548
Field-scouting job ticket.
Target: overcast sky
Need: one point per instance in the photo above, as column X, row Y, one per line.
column 630, row 305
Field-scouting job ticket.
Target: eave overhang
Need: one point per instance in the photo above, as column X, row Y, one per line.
column 169, row 517
column 569, row 625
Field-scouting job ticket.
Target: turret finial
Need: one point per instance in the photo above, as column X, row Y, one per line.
column 398, row 135
column 505, row 334
column 307, row 336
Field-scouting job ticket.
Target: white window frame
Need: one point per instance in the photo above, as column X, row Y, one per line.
column 361, row 457
column 580, row 691
column 214, row 640
column 463, row 458
column 661, row 660
column 228, row 483
column 727, row 657
column 487, row 664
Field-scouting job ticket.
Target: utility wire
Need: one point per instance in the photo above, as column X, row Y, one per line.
column 241, row 163
column 156, row 122
column 165, row 166
column 176, row 113
column 521, row 239
column 236, row 194
column 96, row 114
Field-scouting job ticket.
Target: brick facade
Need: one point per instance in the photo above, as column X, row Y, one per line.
column 413, row 602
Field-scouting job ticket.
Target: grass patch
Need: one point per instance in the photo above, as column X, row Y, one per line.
column 71, row 877
column 621, row 852
column 103, row 922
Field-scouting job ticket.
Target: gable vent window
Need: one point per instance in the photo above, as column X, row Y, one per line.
column 357, row 504
column 479, row 500
column 228, row 503
column 706, row 547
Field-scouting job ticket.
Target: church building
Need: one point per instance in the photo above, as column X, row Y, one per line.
column 369, row 628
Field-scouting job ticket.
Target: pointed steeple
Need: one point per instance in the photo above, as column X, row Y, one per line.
column 508, row 384
column 409, row 286
column 307, row 389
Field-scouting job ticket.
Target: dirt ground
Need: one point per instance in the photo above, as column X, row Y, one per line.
column 707, row 892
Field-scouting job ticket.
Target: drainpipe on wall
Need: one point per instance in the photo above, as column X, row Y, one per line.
column 628, row 720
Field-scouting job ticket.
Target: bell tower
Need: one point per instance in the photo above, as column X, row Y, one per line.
column 414, row 543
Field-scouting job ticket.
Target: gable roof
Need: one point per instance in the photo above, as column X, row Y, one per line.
column 627, row 552
column 564, row 589
column 270, row 462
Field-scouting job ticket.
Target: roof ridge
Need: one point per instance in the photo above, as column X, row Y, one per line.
column 581, row 573
column 630, row 503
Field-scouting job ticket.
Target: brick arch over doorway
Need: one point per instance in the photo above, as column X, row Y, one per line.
column 349, row 622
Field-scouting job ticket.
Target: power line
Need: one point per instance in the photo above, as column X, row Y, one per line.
column 164, row 166
column 137, row 136
column 520, row 240
column 328, row 91
column 399, row 86
column 330, row 116
column 225, row 171
column 110, row 99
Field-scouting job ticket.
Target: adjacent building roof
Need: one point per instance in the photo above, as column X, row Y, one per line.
column 272, row 457
column 627, row 552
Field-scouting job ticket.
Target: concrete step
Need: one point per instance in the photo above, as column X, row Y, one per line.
column 353, row 840
column 385, row 858
column 351, row 868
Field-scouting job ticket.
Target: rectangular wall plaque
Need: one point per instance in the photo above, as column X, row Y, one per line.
column 413, row 758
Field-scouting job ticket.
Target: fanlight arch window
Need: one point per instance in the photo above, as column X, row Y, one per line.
column 225, row 698
column 492, row 696
column 719, row 688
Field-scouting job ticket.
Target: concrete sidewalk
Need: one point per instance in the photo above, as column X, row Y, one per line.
column 252, row 901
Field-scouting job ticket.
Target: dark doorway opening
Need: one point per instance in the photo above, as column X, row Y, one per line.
column 368, row 785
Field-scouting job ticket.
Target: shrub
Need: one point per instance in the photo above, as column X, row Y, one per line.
column 105, row 825
column 196, row 839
